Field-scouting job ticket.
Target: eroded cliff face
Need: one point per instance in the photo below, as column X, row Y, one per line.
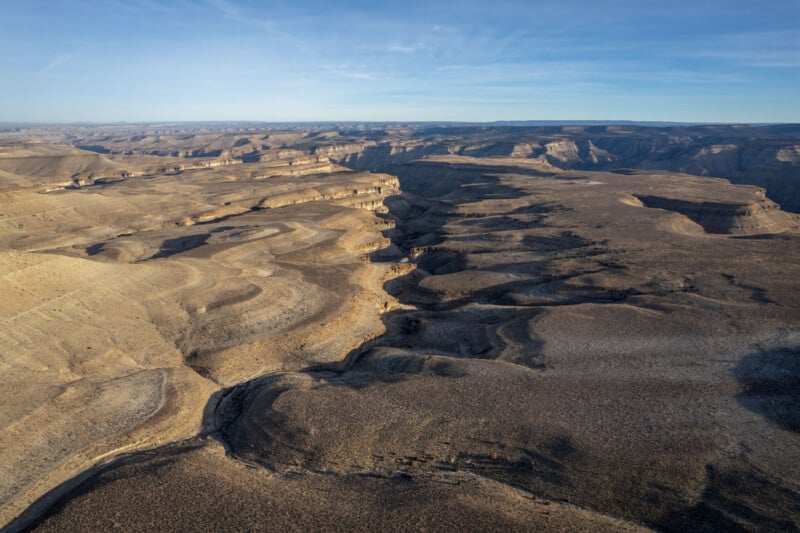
column 767, row 163
column 744, row 217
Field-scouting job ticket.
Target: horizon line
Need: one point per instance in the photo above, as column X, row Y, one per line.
column 521, row 123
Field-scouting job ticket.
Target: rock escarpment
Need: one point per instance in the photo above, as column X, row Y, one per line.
column 758, row 216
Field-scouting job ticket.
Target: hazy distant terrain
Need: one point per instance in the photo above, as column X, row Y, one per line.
column 362, row 326
column 768, row 156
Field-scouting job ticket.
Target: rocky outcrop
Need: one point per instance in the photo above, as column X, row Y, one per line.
column 565, row 152
column 363, row 191
column 759, row 216
column 789, row 154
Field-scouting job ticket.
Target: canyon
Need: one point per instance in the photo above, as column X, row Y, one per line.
column 403, row 326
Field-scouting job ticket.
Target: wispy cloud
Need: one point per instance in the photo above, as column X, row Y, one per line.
column 229, row 9
column 455, row 58
column 767, row 49
column 234, row 13
column 153, row 5
column 352, row 74
column 402, row 49
column 763, row 58
column 56, row 62
column 144, row 6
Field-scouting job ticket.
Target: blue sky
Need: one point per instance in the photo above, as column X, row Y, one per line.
column 160, row 60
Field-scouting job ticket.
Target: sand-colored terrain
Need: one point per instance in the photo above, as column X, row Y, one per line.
column 127, row 305
column 460, row 342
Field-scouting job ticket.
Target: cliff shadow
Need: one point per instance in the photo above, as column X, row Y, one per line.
column 771, row 386
column 736, row 499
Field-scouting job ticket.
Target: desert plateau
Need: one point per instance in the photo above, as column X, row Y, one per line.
column 418, row 326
